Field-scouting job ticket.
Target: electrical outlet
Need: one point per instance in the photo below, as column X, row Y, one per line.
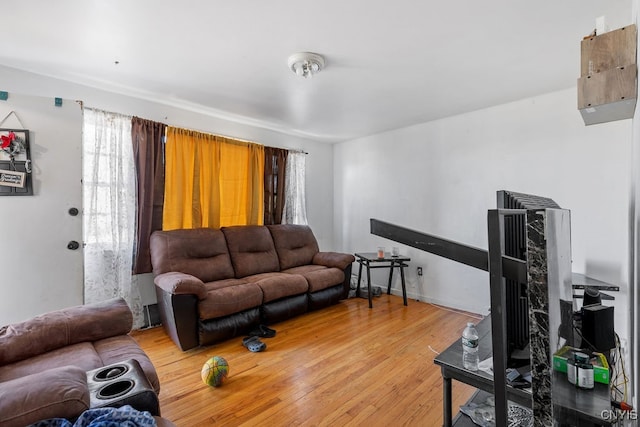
column 419, row 271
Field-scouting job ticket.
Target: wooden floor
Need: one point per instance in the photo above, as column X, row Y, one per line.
column 343, row 365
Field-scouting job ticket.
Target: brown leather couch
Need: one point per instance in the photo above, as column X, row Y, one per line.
column 213, row 284
column 43, row 361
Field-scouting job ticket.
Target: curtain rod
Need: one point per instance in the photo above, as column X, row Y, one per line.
column 297, row 150
column 214, row 134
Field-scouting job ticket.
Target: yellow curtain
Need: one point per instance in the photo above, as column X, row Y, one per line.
column 241, row 183
column 211, row 181
column 192, row 162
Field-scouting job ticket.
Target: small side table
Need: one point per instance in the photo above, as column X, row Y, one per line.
column 368, row 258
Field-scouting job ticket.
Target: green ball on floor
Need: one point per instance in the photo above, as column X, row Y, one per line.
column 214, row 371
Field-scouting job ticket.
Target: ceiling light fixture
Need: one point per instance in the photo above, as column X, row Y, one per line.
column 306, row 64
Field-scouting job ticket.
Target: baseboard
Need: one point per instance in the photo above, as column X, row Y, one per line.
column 412, row 294
column 436, row 301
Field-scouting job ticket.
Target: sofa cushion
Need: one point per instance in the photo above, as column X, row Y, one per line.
column 60, row 328
column 86, row 356
column 59, row 393
column 251, row 249
column 279, row 285
column 295, row 244
column 225, row 300
column 200, row 252
column 318, row 276
column 82, row 355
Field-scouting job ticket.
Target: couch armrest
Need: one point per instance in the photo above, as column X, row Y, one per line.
column 57, row 329
column 179, row 314
column 333, row 259
column 177, row 283
column 53, row 393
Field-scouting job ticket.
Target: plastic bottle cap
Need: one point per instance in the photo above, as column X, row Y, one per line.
column 581, row 357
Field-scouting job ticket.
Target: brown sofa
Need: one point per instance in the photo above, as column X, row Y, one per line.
column 43, row 361
column 213, row 284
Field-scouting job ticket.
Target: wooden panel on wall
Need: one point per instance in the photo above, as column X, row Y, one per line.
column 609, row 50
column 608, row 86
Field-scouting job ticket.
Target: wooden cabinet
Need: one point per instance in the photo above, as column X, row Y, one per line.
column 608, row 87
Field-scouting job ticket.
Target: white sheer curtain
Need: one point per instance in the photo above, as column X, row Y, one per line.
column 109, row 202
column 295, row 198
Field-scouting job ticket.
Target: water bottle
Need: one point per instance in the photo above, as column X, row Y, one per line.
column 470, row 347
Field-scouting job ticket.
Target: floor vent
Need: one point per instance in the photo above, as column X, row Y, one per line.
column 151, row 316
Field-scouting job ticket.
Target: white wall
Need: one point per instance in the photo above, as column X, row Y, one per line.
column 634, row 244
column 441, row 177
column 319, row 160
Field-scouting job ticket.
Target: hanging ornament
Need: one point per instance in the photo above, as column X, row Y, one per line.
column 11, row 144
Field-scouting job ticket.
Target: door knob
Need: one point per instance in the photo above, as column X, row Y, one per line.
column 73, row 245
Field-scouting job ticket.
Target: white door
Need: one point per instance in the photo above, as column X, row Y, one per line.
column 38, row 273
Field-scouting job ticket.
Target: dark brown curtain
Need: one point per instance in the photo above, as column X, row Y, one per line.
column 148, row 151
column 275, row 161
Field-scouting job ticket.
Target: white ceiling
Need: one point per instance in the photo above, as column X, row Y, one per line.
column 390, row 64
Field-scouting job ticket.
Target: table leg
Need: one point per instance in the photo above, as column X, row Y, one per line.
column 390, row 277
column 359, row 275
column 369, row 285
column 446, row 401
column 404, row 287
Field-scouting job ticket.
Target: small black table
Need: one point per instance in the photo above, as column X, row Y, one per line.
column 388, row 261
column 570, row 403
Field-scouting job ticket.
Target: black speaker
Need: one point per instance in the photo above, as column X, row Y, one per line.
column 597, row 328
column 591, row 296
column 567, row 323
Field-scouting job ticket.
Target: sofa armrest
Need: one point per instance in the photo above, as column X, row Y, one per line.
column 177, row 283
column 333, row 259
column 54, row 393
column 179, row 314
column 57, row 329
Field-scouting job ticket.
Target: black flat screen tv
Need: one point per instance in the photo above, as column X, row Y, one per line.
column 515, row 245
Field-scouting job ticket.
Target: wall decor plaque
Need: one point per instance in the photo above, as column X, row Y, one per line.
column 15, row 163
